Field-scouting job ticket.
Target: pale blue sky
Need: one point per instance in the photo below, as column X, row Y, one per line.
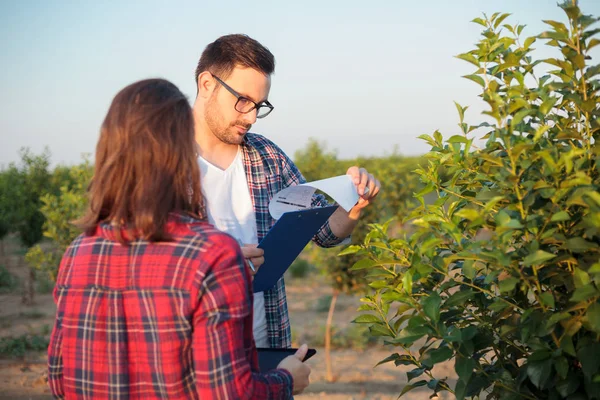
column 362, row 76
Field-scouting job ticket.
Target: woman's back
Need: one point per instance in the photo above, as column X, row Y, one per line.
column 139, row 321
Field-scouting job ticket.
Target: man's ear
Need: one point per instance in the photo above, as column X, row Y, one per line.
column 206, row 84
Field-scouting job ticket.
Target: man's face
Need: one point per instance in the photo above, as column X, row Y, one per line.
column 226, row 123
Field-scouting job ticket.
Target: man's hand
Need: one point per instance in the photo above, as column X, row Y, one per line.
column 300, row 371
column 253, row 255
column 367, row 187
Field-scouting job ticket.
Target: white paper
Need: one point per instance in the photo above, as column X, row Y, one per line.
column 293, row 198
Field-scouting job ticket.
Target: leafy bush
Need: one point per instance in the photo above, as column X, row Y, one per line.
column 502, row 271
column 8, row 282
column 60, row 210
column 300, row 268
column 16, row 347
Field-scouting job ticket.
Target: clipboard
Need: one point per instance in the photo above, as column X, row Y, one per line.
column 285, row 241
column 269, row 359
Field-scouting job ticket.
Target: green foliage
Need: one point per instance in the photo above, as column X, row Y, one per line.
column 34, row 182
column 502, row 272
column 10, row 202
column 8, row 282
column 16, row 347
column 395, row 200
column 60, row 209
column 300, row 268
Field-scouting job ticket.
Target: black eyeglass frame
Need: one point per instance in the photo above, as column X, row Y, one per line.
column 265, row 104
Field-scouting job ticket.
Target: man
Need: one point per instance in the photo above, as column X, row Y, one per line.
column 241, row 171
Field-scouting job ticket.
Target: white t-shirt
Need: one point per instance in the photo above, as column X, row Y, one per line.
column 230, row 210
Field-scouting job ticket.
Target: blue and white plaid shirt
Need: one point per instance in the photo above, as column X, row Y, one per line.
column 269, row 170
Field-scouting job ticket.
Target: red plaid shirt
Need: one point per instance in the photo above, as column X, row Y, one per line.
column 169, row 320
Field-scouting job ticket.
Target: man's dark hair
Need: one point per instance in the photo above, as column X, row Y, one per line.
column 230, row 51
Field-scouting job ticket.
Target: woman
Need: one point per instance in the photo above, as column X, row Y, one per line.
column 153, row 302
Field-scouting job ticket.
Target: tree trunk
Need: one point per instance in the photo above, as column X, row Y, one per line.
column 3, row 253
column 329, row 376
column 29, row 287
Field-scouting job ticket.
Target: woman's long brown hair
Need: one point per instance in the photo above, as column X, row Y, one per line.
column 146, row 165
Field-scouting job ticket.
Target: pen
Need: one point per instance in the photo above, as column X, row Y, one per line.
column 250, row 263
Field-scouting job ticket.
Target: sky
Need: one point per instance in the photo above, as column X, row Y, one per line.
column 363, row 77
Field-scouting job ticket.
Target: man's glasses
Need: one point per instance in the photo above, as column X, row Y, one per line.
column 244, row 105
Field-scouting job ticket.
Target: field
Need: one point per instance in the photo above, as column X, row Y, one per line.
column 24, row 378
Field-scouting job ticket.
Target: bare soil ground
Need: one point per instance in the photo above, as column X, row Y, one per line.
column 356, row 377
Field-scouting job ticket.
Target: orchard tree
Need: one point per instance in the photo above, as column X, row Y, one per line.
column 398, row 184
column 516, row 308
column 60, row 209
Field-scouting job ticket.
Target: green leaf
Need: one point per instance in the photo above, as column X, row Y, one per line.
column 475, row 78
column 431, row 306
column 584, row 293
column 459, row 298
column 457, row 139
column 560, row 36
column 547, row 299
column 408, row 388
column 580, row 245
column 480, row 22
column 588, row 357
column 560, row 216
column 593, row 317
column 468, row 213
column 460, row 389
column 366, row 307
column 508, row 284
column 593, row 43
column 539, row 132
column 366, row 319
column 567, row 387
column 468, row 269
column 407, row 282
column 410, row 375
column 363, row 264
column 349, row 250
column 537, row 258
column 464, row 367
column 580, row 277
column 566, row 345
column 558, row 26
column 469, row 332
column 539, row 372
column 409, row 335
column 500, row 19
column 562, row 366
column 529, row 41
column 380, row 330
column 469, row 58
column 437, row 356
column 454, row 335
column 398, row 360
column 547, row 105
column 594, row 269
column 498, row 305
column 516, row 120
